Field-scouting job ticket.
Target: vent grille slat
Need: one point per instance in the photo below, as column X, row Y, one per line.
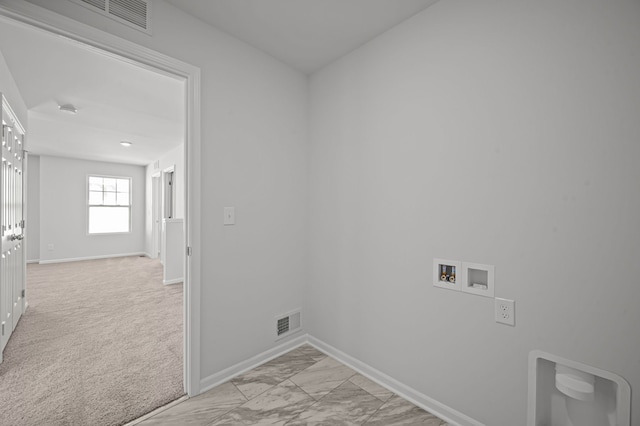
column 100, row 4
column 283, row 325
column 134, row 11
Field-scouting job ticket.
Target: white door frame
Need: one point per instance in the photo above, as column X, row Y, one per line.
column 156, row 209
column 33, row 16
column 165, row 172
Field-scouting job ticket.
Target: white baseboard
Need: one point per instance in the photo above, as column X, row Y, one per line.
column 446, row 413
column 173, row 281
column 33, row 261
column 77, row 259
column 229, row 373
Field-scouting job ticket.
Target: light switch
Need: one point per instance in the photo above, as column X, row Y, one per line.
column 229, row 216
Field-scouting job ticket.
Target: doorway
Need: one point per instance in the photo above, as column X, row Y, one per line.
column 120, row 50
column 168, row 193
column 156, row 203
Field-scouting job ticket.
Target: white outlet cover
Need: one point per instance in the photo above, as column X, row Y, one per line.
column 446, row 284
column 505, row 311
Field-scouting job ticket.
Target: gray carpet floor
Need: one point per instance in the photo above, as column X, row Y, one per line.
column 100, row 344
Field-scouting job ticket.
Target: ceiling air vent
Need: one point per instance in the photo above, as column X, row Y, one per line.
column 287, row 324
column 134, row 13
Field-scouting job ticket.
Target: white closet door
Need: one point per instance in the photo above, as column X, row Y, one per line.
column 12, row 264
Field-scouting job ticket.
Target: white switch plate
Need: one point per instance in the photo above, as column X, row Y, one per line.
column 505, row 311
column 229, row 216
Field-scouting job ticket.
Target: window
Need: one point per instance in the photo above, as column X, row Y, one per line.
column 109, row 205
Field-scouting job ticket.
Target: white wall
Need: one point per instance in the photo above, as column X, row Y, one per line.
column 174, row 157
column 33, row 207
column 63, row 210
column 10, row 91
column 254, row 134
column 496, row 132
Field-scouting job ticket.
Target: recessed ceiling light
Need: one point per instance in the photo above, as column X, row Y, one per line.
column 126, row 143
column 68, row 108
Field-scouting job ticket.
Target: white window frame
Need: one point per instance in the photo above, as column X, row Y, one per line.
column 130, row 206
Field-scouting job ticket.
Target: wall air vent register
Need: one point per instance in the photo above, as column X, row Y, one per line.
column 288, row 324
column 133, row 13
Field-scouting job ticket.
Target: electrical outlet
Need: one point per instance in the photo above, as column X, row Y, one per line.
column 505, row 310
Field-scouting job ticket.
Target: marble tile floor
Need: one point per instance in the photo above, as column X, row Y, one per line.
column 303, row 387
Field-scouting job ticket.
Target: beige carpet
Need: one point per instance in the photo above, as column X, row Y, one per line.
column 100, row 344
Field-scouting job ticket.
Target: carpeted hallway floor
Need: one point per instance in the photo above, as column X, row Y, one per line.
column 100, row 344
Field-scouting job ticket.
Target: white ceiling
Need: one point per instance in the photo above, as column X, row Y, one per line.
column 115, row 100
column 118, row 101
column 306, row 34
